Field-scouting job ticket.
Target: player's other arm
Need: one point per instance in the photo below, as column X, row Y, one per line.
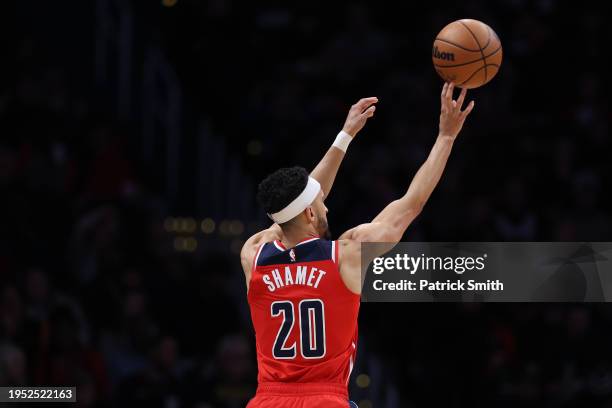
column 325, row 172
column 393, row 220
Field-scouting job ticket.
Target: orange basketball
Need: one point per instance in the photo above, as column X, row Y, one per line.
column 468, row 53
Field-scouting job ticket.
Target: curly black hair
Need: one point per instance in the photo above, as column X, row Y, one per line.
column 281, row 187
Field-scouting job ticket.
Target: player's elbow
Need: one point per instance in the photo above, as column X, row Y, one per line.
column 399, row 225
column 393, row 233
column 414, row 206
column 415, row 209
column 411, row 211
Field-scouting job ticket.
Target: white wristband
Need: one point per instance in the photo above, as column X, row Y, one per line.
column 342, row 141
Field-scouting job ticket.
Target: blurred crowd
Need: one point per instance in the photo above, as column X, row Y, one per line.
column 93, row 292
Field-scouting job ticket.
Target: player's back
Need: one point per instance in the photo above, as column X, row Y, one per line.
column 304, row 316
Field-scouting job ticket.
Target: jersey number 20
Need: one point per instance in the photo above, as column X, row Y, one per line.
column 311, row 321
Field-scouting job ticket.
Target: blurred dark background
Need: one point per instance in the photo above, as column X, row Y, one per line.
column 133, row 135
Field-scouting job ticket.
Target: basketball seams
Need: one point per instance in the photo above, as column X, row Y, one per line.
column 470, row 62
column 481, row 51
column 496, row 38
column 479, row 69
column 491, row 35
column 488, row 37
column 473, row 75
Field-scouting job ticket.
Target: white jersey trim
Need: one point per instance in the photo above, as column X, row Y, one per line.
column 307, row 241
column 279, row 247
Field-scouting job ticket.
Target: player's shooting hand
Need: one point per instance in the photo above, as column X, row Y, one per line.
column 451, row 115
column 359, row 114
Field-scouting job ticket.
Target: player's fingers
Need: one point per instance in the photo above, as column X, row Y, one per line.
column 443, row 100
column 449, row 92
column 369, row 112
column 443, row 94
column 461, row 98
column 468, row 109
column 363, row 103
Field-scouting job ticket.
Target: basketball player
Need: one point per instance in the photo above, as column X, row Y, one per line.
column 303, row 289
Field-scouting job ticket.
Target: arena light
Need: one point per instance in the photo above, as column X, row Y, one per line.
column 207, row 226
column 363, row 381
column 191, row 244
column 236, row 227
column 224, row 227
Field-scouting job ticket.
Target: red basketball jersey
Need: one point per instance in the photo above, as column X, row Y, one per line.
column 304, row 316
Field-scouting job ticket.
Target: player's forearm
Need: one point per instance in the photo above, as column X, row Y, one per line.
column 428, row 176
column 326, row 170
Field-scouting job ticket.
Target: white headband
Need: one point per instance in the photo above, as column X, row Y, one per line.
column 298, row 205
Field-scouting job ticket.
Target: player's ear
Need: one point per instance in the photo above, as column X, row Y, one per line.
column 310, row 213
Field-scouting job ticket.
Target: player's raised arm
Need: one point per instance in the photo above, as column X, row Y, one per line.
column 392, row 222
column 326, row 170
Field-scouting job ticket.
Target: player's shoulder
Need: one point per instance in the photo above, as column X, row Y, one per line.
column 252, row 244
column 248, row 252
column 272, row 233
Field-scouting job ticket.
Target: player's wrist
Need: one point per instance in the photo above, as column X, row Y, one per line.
column 342, row 141
column 349, row 131
column 446, row 137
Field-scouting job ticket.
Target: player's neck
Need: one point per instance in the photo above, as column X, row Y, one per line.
column 293, row 235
